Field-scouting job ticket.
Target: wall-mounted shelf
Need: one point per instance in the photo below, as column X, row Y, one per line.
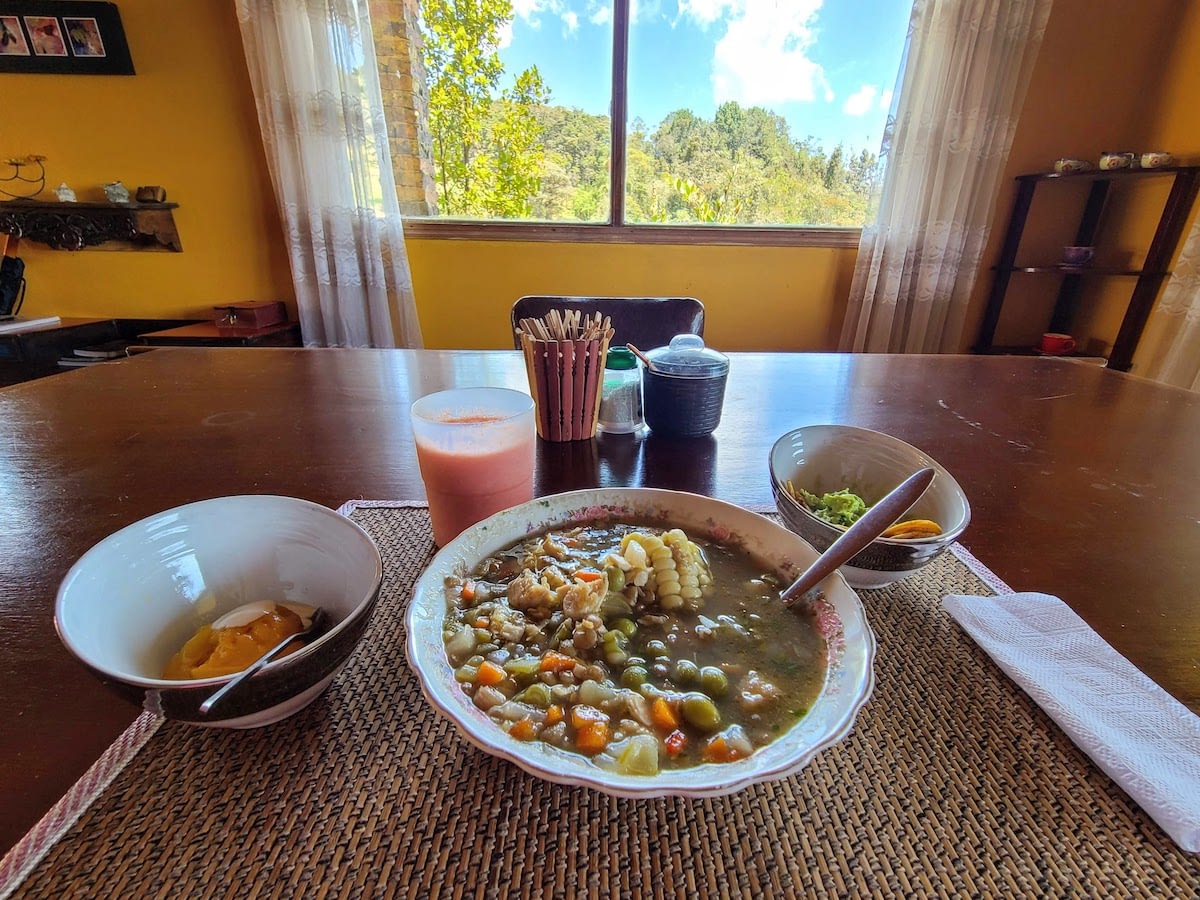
column 101, row 226
column 1149, row 277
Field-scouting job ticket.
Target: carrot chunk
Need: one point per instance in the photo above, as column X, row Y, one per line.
column 556, row 662
column 591, row 729
column 589, row 575
column 524, row 730
column 554, row 714
column 718, row 750
column 490, row 673
column 663, row 715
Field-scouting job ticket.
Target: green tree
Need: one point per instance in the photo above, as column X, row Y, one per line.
column 487, row 151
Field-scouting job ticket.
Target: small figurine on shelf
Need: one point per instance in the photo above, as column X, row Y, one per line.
column 116, row 192
column 64, row 193
column 151, row 193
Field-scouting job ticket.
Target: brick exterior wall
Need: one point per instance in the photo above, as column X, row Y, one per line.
column 405, row 103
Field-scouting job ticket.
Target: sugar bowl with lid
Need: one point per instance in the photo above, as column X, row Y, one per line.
column 684, row 387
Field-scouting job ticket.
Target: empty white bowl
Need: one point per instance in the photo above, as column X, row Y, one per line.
column 849, row 678
column 826, row 458
column 133, row 599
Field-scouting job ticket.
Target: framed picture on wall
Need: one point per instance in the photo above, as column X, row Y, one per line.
column 63, row 37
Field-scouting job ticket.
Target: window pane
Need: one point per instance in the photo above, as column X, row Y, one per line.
column 759, row 112
column 518, row 108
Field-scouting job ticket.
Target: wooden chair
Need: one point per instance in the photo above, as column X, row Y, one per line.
column 645, row 322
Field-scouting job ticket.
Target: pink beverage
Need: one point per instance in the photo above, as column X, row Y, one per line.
column 476, row 448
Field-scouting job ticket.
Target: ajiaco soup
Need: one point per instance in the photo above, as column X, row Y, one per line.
column 636, row 646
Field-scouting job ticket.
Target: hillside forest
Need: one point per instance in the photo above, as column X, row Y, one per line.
column 503, row 150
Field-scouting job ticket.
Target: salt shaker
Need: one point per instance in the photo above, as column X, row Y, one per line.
column 621, row 393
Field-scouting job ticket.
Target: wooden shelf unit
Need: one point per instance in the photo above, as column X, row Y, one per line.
column 103, row 226
column 1150, row 275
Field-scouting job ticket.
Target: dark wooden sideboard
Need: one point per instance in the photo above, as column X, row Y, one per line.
column 54, row 349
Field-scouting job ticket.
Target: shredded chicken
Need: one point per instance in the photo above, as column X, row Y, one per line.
column 530, row 594
column 581, row 599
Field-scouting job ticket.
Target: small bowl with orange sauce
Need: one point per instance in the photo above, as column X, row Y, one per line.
column 139, row 608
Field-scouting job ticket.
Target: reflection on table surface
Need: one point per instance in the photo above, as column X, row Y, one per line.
column 1081, row 480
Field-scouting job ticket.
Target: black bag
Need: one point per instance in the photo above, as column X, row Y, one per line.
column 12, row 284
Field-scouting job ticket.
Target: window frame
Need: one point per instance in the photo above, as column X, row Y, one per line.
column 616, row 230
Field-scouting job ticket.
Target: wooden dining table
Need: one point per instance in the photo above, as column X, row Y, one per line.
column 1082, row 483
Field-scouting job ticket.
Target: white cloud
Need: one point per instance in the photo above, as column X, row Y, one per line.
column 861, row 101
column 885, row 99
column 531, row 12
column 528, row 9
column 762, row 59
column 505, row 36
column 705, row 12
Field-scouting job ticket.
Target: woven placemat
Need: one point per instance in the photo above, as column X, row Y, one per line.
column 952, row 783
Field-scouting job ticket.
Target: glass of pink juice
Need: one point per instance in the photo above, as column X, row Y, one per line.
column 476, row 448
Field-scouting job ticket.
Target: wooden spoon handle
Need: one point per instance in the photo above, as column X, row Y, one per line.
column 861, row 533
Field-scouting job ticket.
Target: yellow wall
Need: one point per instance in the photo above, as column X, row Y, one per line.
column 187, row 121
column 753, row 296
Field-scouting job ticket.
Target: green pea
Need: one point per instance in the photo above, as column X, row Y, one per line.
column 614, row 605
column 714, row 682
column 614, row 656
column 700, row 711
column 634, row 677
column 627, row 627
column 657, row 648
column 616, row 578
column 685, row 672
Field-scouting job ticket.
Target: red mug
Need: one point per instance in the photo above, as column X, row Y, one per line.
column 1057, row 344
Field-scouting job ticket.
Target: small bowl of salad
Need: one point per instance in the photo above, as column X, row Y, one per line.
column 825, row 477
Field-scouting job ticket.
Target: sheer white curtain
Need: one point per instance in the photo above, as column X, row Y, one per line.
column 1169, row 350
column 312, row 65
column 966, row 67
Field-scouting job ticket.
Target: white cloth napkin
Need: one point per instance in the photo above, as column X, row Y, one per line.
column 1146, row 740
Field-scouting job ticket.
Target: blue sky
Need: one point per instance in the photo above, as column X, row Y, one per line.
column 827, row 66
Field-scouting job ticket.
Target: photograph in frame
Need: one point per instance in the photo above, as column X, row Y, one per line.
column 45, row 36
column 12, row 37
column 83, row 36
column 63, row 37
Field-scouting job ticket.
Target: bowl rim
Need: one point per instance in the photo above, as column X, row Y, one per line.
column 781, row 492
column 567, row 768
column 291, row 659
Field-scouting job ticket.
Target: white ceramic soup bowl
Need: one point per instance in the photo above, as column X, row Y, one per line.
column 133, row 599
column 849, row 679
column 826, row 458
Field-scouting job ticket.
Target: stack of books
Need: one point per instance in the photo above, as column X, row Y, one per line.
column 90, row 356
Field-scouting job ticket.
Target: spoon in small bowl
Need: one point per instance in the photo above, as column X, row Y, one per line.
column 318, row 617
column 872, row 524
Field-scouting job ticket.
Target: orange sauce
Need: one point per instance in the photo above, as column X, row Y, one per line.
column 224, row 651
